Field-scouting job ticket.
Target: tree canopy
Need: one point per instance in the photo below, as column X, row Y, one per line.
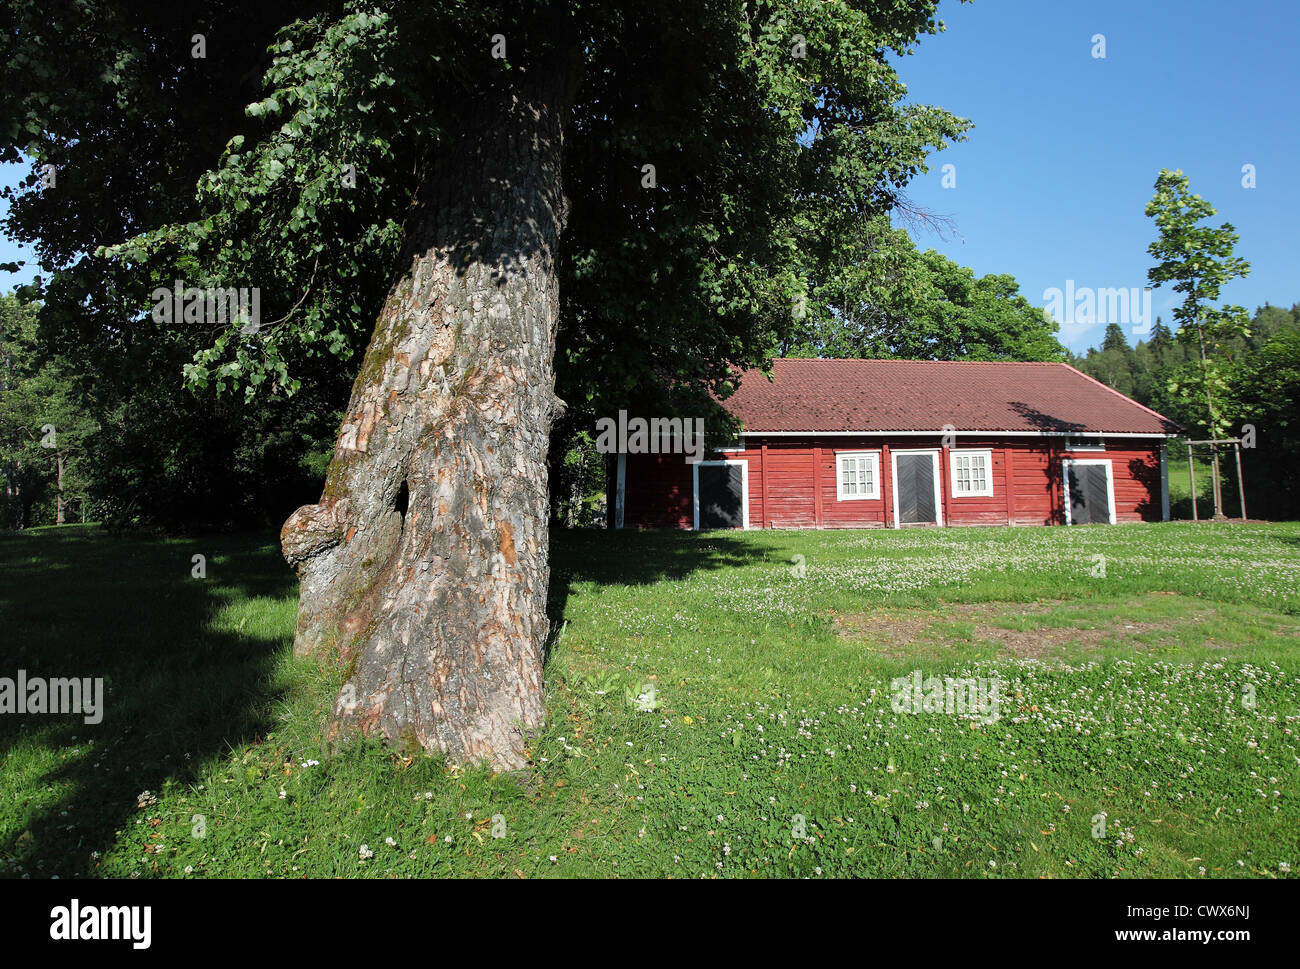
column 877, row 296
column 721, row 160
column 307, row 127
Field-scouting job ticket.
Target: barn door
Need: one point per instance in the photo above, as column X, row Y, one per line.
column 721, row 494
column 916, row 487
column 1089, row 492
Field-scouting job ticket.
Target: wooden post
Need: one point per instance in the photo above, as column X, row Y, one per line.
column 943, row 515
column 1164, row 483
column 1191, row 471
column 1009, row 477
column 817, row 486
column 1241, row 487
column 887, row 485
column 1055, row 464
column 766, row 521
column 1216, row 483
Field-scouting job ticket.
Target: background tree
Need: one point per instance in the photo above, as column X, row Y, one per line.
column 435, row 170
column 875, row 296
column 1265, row 393
column 22, row 464
column 1115, row 362
column 1267, row 323
column 119, row 120
column 69, row 426
column 1198, row 260
column 1261, row 380
column 44, row 425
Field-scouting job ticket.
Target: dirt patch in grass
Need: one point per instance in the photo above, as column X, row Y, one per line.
column 1027, row 631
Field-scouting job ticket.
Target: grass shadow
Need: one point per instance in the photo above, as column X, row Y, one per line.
column 636, row 557
column 184, row 685
column 178, row 689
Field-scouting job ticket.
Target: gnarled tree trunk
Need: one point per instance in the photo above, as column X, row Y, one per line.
column 425, row 562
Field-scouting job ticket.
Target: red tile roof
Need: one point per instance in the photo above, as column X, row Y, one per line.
column 926, row 395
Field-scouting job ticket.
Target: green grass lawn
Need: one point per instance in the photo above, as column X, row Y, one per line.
column 1148, row 674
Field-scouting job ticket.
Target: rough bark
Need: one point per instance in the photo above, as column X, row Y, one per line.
column 424, row 565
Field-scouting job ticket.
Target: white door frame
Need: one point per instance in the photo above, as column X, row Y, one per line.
column 1067, row 463
column 1164, row 483
column 938, row 488
column 744, row 489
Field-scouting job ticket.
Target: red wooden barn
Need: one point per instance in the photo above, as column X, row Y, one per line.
column 888, row 443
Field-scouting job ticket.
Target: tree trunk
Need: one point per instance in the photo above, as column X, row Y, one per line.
column 424, row 566
column 58, row 501
column 1216, row 492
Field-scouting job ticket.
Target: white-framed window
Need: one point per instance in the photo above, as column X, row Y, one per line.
column 1085, row 444
column 857, row 475
column 972, row 473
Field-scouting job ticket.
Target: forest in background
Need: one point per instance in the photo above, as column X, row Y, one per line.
column 132, row 452
column 1261, row 374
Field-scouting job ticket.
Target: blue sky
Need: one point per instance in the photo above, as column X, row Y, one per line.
column 1051, row 185
column 9, row 250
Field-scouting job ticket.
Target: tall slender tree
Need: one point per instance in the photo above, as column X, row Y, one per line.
column 1198, row 260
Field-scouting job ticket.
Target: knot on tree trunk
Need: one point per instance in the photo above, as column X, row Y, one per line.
column 312, row 529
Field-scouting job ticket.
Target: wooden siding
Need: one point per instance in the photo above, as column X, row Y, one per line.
column 659, row 492
column 792, row 483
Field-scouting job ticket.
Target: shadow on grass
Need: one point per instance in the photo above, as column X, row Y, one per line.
column 179, row 690
column 631, row 557
column 75, row 602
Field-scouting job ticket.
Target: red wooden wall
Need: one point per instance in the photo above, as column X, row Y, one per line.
column 792, row 483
